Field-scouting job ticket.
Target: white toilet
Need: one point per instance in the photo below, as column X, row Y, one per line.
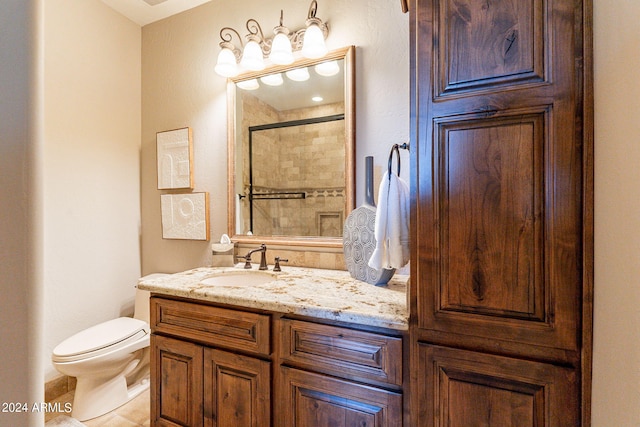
column 110, row 361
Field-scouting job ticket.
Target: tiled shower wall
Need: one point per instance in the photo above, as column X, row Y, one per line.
column 306, row 159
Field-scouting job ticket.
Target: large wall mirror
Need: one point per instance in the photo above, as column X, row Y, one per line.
column 291, row 148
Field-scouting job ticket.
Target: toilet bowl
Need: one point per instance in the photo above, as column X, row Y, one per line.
column 110, row 361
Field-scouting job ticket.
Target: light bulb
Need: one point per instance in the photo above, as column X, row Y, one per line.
column 327, row 69
column 272, row 79
column 252, row 58
column 226, row 65
column 248, row 84
column 298, row 74
column 281, row 52
column 313, row 44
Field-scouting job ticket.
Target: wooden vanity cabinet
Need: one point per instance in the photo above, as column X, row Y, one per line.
column 339, row 377
column 223, row 367
column 502, row 224
column 212, row 369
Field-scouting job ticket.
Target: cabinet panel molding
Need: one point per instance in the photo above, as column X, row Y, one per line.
column 176, row 382
column 462, row 388
column 237, row 390
column 491, row 188
column 215, row 326
column 311, row 400
column 483, row 44
column 342, row 352
column 498, row 172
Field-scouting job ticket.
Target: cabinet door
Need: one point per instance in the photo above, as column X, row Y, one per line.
column 237, row 390
column 176, row 381
column 461, row 388
column 499, row 173
column 312, row 400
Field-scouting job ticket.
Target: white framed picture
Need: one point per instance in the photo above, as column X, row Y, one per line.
column 185, row 216
column 175, row 159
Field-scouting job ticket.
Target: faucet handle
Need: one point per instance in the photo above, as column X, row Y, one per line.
column 247, row 260
column 277, row 266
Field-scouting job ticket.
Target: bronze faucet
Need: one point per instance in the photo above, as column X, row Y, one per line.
column 263, row 257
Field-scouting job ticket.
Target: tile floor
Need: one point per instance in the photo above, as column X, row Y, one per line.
column 133, row 414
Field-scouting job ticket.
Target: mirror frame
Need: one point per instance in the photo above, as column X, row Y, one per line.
column 348, row 54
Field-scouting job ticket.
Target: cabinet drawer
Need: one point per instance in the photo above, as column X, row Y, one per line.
column 218, row 327
column 342, row 352
column 310, row 399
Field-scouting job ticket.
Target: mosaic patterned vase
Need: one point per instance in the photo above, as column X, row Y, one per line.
column 359, row 236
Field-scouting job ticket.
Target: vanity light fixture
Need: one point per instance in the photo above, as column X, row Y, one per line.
column 248, row 84
column 279, row 49
column 327, row 69
column 298, row 74
column 272, row 79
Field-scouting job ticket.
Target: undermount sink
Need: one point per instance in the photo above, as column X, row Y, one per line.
column 240, row 278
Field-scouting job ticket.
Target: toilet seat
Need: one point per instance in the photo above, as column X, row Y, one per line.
column 100, row 339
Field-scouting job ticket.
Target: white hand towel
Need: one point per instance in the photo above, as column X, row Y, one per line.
column 392, row 224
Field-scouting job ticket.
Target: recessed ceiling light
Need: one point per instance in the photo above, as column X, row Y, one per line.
column 317, row 99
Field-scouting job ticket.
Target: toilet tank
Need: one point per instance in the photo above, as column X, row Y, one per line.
column 141, row 307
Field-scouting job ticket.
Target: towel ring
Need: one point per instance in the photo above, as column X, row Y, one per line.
column 396, row 148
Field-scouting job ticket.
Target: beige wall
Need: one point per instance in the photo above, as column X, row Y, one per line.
column 91, row 167
column 616, row 366
column 181, row 89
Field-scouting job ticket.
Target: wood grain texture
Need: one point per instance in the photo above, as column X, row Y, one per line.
column 502, row 215
column 217, row 326
column 237, row 390
column 311, row 400
column 463, row 388
column 342, row 352
column 492, row 190
column 331, row 373
column 176, row 383
column 488, row 43
column 498, row 181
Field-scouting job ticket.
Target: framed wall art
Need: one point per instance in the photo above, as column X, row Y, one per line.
column 175, row 159
column 185, row 216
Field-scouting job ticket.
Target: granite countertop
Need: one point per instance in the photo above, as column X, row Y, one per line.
column 325, row 294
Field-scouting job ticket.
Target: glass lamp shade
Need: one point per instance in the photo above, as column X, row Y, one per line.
column 272, row 79
column 281, row 52
column 226, row 65
column 298, row 74
column 313, row 44
column 327, row 69
column 252, row 58
column 248, row 84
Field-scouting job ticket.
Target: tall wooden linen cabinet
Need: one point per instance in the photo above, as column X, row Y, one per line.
column 502, row 213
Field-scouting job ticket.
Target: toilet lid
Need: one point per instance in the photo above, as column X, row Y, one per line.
column 103, row 336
